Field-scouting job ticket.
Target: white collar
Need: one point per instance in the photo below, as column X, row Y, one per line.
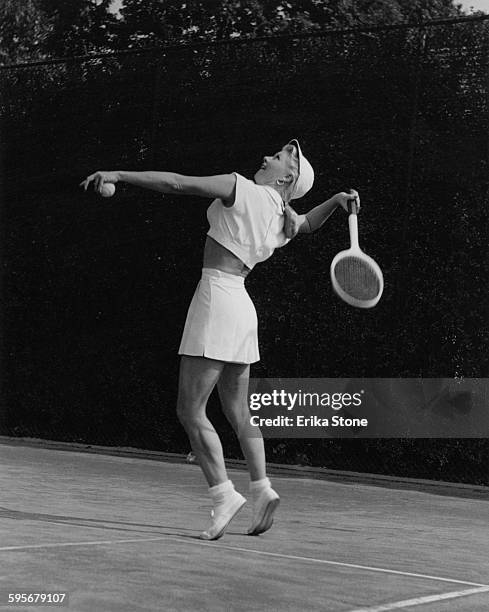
column 276, row 196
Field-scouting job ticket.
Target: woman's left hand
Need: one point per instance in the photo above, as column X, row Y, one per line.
column 292, row 222
column 343, row 198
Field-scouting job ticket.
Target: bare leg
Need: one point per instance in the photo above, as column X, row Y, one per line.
column 233, row 391
column 198, row 376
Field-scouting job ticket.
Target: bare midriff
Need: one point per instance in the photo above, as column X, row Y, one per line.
column 218, row 257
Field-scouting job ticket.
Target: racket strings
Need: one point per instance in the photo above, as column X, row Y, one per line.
column 357, row 278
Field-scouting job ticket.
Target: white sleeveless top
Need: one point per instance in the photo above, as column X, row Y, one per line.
column 253, row 227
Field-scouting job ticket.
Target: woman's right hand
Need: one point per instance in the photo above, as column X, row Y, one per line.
column 99, row 178
column 343, row 198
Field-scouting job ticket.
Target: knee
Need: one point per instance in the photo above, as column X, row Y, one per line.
column 188, row 413
column 182, row 412
column 237, row 418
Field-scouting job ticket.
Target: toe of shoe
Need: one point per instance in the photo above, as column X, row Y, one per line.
column 219, row 526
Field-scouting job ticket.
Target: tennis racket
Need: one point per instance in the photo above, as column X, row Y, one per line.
column 356, row 277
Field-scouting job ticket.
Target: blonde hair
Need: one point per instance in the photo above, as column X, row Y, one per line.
column 294, row 166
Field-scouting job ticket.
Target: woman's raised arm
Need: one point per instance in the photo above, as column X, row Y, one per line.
column 219, row 186
column 315, row 218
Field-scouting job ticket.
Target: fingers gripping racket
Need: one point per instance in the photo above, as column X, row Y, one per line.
column 356, row 277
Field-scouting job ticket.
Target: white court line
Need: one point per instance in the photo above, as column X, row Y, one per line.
column 249, row 551
column 418, row 601
column 340, row 564
column 87, row 543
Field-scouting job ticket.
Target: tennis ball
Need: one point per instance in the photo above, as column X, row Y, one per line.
column 107, row 190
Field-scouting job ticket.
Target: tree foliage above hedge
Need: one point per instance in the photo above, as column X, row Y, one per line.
column 38, row 29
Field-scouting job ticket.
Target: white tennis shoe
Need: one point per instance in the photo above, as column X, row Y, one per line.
column 223, row 513
column 263, row 510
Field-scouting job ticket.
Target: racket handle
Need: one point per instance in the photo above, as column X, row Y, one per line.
column 352, row 206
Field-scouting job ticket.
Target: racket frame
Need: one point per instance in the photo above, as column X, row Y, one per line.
column 355, row 251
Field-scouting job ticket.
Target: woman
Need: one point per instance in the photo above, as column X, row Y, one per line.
column 248, row 220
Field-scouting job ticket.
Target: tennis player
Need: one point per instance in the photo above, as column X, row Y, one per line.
column 248, row 220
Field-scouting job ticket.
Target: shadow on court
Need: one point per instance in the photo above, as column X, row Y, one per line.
column 121, row 534
column 85, row 522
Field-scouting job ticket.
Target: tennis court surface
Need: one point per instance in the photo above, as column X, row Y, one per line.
column 120, row 533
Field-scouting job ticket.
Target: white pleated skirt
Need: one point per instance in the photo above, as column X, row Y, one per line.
column 221, row 321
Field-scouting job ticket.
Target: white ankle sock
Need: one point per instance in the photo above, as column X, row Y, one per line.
column 257, row 486
column 218, row 491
